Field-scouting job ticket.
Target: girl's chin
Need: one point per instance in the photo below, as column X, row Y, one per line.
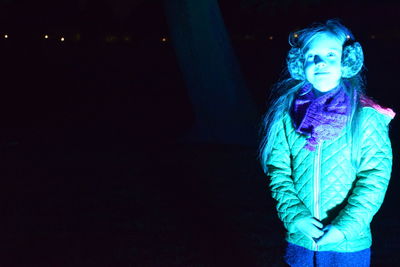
column 324, row 89
column 324, row 86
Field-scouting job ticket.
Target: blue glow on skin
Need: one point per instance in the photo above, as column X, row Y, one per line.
column 322, row 66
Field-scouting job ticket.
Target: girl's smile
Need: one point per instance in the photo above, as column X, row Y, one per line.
column 319, row 73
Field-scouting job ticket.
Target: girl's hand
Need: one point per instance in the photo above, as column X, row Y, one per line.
column 310, row 227
column 332, row 235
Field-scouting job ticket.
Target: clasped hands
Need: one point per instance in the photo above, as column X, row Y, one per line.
column 313, row 229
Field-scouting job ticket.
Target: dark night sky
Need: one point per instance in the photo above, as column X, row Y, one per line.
column 240, row 15
column 82, row 64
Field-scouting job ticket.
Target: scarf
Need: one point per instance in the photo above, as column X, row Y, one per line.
column 321, row 118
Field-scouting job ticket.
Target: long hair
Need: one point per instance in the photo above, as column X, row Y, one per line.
column 284, row 91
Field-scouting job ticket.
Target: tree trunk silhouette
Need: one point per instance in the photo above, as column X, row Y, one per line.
column 223, row 107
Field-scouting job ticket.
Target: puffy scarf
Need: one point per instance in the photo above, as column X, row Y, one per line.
column 321, row 118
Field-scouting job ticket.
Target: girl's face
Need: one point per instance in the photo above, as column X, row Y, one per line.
column 322, row 66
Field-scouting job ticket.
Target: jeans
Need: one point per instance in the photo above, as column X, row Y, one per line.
column 299, row 256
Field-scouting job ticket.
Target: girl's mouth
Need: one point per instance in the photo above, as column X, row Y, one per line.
column 321, row 73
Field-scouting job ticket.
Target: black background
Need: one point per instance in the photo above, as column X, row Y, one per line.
column 92, row 171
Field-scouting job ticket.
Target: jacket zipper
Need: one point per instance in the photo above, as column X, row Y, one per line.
column 317, row 171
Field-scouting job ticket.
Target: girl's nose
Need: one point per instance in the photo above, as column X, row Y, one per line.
column 319, row 62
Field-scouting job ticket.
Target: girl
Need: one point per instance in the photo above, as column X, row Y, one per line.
column 326, row 150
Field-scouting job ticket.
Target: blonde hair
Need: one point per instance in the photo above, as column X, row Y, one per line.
column 283, row 92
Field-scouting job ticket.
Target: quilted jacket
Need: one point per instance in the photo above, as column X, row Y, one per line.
column 325, row 185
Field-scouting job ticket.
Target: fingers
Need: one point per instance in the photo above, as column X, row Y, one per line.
column 316, row 232
column 313, row 232
column 331, row 236
column 310, row 227
column 326, row 228
column 326, row 239
column 316, row 229
column 317, row 223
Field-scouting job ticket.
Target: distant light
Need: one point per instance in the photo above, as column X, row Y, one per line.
column 372, row 36
column 295, row 35
column 62, row 39
column 348, row 36
column 6, row 36
column 127, row 38
column 46, row 36
column 111, row 38
column 271, row 37
column 78, row 36
column 163, row 39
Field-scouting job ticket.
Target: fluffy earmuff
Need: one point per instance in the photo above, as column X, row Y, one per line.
column 295, row 63
column 352, row 61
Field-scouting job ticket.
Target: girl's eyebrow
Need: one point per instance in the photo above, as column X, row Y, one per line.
column 334, row 48
column 330, row 48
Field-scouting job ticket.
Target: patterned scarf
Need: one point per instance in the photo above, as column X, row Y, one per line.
column 321, row 118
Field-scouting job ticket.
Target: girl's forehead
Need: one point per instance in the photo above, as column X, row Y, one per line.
column 324, row 41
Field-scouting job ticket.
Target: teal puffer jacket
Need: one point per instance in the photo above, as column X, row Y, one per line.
column 324, row 184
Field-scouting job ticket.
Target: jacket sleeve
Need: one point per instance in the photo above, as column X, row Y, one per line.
column 372, row 176
column 290, row 208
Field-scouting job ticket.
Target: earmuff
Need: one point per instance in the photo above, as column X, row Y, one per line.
column 352, row 61
column 295, row 63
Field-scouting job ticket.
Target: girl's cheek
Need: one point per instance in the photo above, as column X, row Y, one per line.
column 308, row 70
column 307, row 66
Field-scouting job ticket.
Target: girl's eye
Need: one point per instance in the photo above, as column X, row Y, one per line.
column 331, row 54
